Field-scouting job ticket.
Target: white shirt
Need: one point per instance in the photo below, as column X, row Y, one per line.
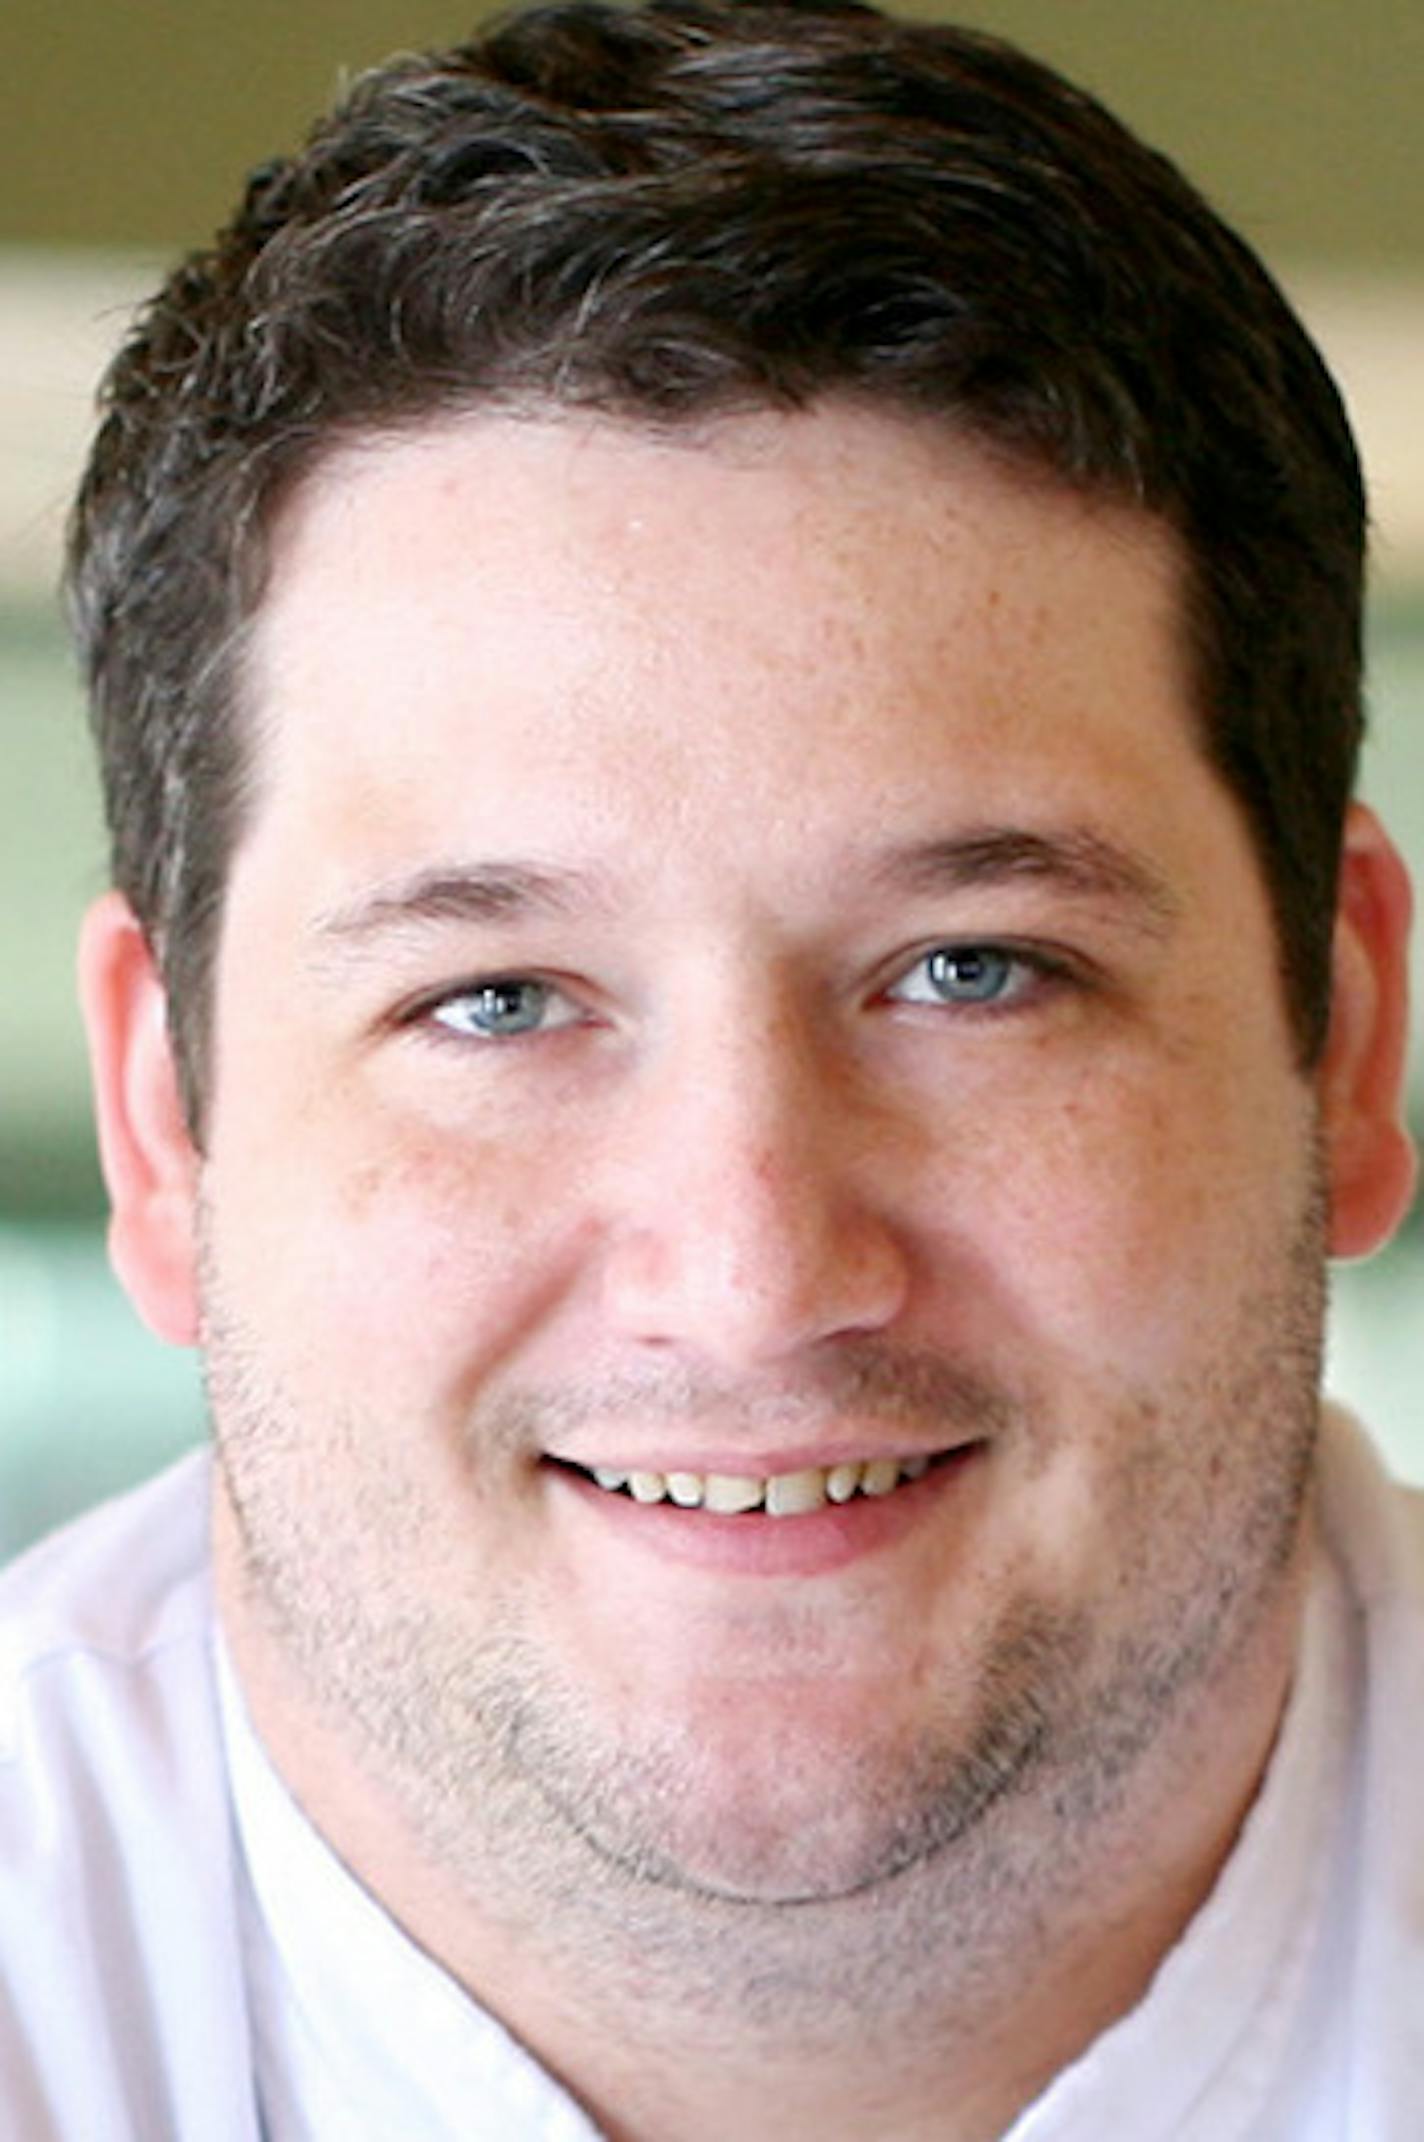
column 182, row 1959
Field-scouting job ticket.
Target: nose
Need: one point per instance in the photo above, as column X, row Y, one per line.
column 750, row 1219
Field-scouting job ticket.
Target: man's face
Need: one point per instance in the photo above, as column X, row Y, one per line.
column 739, row 972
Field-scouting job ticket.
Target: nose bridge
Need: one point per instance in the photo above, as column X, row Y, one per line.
column 752, row 1111
column 746, row 1230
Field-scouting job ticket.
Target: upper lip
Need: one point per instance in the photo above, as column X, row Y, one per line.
column 754, row 1465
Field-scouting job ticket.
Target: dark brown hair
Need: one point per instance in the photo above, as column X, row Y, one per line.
column 698, row 207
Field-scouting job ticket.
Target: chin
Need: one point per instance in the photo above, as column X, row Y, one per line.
column 805, row 1808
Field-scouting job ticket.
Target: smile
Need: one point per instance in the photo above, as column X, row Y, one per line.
column 796, row 1494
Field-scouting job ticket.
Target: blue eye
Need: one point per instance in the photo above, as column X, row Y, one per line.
column 503, row 1009
column 968, row 974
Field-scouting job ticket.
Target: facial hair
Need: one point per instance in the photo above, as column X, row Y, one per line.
column 827, row 1895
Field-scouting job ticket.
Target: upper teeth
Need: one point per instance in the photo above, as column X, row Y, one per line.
column 779, row 1494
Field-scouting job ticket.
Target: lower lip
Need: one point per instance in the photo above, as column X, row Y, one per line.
column 755, row 1545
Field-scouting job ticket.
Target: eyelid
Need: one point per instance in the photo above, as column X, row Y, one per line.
column 1040, row 967
column 424, row 1012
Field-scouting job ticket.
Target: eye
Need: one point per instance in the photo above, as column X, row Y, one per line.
column 974, row 975
column 504, row 1008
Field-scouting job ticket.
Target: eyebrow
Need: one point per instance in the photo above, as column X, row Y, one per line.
column 1072, row 859
column 469, row 892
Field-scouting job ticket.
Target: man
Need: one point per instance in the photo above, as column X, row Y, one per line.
column 742, row 999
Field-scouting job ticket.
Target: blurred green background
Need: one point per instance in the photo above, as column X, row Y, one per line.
column 123, row 130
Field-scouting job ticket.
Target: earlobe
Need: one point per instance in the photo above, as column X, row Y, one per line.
column 1371, row 1161
column 149, row 1162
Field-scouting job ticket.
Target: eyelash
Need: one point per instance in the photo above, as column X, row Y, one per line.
column 1030, row 971
column 430, row 1013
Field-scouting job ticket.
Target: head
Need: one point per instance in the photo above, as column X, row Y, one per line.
column 726, row 641
column 690, row 211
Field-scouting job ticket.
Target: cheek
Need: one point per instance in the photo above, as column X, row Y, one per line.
column 396, row 1264
column 1129, row 1214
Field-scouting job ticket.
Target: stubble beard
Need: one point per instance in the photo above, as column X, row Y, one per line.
column 937, row 1866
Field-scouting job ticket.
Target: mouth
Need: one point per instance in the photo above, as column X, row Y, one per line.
column 790, row 1494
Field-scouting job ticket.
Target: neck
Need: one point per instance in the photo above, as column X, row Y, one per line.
column 940, row 2008
column 937, row 2004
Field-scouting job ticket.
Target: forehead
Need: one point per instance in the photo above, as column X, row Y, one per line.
column 492, row 616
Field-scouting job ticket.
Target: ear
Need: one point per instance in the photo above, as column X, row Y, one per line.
column 149, row 1161
column 1371, row 1162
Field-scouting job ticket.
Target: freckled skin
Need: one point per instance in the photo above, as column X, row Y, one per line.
column 746, row 1182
